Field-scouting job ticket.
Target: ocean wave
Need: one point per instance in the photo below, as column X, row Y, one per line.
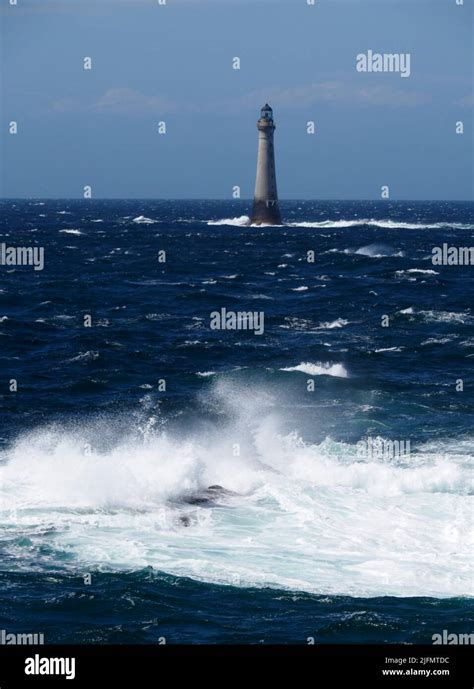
column 293, row 515
column 388, row 349
column 433, row 316
column 141, row 219
column 85, row 356
column 242, row 221
column 436, row 340
column 294, row 323
column 320, row 369
column 467, row 343
column 378, row 251
column 76, row 232
column 330, row 325
column 416, row 271
column 371, row 251
column 384, row 224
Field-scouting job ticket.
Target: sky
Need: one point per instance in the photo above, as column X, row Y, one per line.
column 173, row 63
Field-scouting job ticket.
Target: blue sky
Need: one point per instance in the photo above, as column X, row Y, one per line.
column 173, row 63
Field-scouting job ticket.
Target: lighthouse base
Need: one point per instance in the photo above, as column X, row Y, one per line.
column 265, row 213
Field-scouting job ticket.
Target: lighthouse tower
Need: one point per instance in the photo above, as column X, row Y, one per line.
column 266, row 210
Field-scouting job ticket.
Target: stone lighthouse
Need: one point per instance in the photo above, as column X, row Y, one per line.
column 266, row 210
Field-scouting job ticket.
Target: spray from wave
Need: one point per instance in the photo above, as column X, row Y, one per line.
column 387, row 224
column 294, row 515
column 378, row 251
column 319, row 369
column 241, row 221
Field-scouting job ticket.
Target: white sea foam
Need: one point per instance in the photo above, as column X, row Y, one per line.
column 330, row 325
column 377, row 251
column 141, row 219
column 433, row 316
column 436, row 340
column 76, row 232
column 302, row 288
column 388, row 349
column 86, row 356
column 310, row 517
column 237, row 222
column 417, row 270
column 384, row 224
column 320, row 369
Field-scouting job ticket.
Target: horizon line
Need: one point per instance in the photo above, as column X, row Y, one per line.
column 220, row 199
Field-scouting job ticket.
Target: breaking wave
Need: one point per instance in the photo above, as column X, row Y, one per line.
column 416, row 271
column 142, row 220
column 320, row 369
column 433, row 316
column 295, row 515
column 378, row 251
column 384, row 224
column 330, row 325
column 238, row 222
column 388, row 224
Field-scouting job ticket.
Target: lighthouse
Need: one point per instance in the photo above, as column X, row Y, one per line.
column 266, row 210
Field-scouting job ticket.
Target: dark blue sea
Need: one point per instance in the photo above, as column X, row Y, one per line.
column 160, row 478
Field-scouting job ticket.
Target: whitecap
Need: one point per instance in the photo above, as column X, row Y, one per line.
column 242, row 221
column 319, row 369
column 141, row 219
column 417, row 270
column 85, row 356
column 388, row 349
column 330, row 325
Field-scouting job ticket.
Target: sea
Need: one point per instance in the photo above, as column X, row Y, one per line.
column 171, row 476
